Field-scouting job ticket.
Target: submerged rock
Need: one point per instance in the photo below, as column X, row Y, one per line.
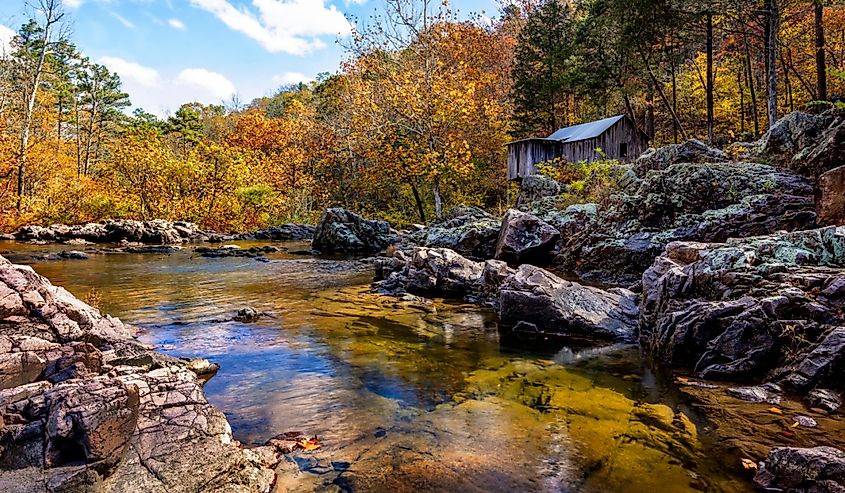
column 769, row 393
column 536, row 301
column 825, row 399
column 85, row 407
column 468, row 231
column 340, row 230
column 524, row 238
column 803, row 470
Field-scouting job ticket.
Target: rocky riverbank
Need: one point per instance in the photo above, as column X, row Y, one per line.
column 85, row 407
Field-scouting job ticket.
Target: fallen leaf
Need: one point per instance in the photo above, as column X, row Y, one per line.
column 748, row 464
column 309, row 443
column 794, row 425
column 775, row 410
column 682, row 379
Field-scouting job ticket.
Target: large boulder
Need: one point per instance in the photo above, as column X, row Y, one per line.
column 536, row 301
column 343, row 231
column 691, row 151
column 440, row 271
column 807, row 144
column 469, row 231
column 803, row 470
column 524, row 238
column 830, row 197
column 757, row 308
column 538, row 194
column 85, row 407
column 695, row 202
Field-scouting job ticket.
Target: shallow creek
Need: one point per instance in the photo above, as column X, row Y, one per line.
column 408, row 396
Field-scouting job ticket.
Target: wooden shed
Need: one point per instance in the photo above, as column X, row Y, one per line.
column 616, row 136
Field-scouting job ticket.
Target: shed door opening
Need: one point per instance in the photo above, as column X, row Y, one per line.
column 623, row 149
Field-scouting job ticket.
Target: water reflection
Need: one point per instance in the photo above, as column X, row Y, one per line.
column 405, row 397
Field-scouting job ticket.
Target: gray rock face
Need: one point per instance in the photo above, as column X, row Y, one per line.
column 344, row 231
column 468, row 231
column 830, row 197
column 524, row 238
column 768, row 392
column 803, row 470
column 85, row 407
column 534, row 300
column 538, row 194
column 157, row 232
column 825, row 399
column 695, row 202
column 807, row 144
column 691, row 151
column 438, row 271
column 762, row 307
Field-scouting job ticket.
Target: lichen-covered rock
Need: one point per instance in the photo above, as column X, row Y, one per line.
column 157, row 232
column 536, row 301
column 825, row 399
column 830, row 197
column 755, row 308
column 694, row 202
column 691, row 151
column 340, row 230
column 468, row 231
column 85, row 407
column 803, row 470
column 525, row 238
column 807, row 144
column 538, row 194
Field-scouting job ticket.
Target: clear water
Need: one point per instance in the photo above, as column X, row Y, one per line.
column 404, row 397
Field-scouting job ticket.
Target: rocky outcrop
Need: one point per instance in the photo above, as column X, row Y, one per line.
column 439, row 271
column 468, row 231
column 698, row 202
column 807, row 144
column 757, row 308
column 343, row 231
column 536, row 301
column 85, row 407
column 538, row 194
column 285, row 232
column 803, row 470
column 524, row 238
column 830, row 197
column 691, row 151
column 157, row 232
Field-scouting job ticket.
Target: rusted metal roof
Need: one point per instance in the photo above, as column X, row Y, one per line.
column 585, row 131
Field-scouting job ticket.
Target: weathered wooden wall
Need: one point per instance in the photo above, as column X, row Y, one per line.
column 524, row 155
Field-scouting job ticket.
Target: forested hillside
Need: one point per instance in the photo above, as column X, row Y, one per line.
column 414, row 121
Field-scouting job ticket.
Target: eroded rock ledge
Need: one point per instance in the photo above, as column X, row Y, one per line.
column 85, row 407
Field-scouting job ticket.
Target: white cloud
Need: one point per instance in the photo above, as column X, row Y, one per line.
column 72, row 4
column 132, row 72
column 176, row 24
column 291, row 78
column 212, row 83
column 6, row 36
column 123, row 20
column 282, row 26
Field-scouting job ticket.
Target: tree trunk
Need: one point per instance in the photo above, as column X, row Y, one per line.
column 418, row 200
column 710, row 78
column 752, row 91
column 663, row 96
column 771, row 50
column 821, row 65
column 438, row 200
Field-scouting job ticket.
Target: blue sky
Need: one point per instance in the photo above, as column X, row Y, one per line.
column 172, row 51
